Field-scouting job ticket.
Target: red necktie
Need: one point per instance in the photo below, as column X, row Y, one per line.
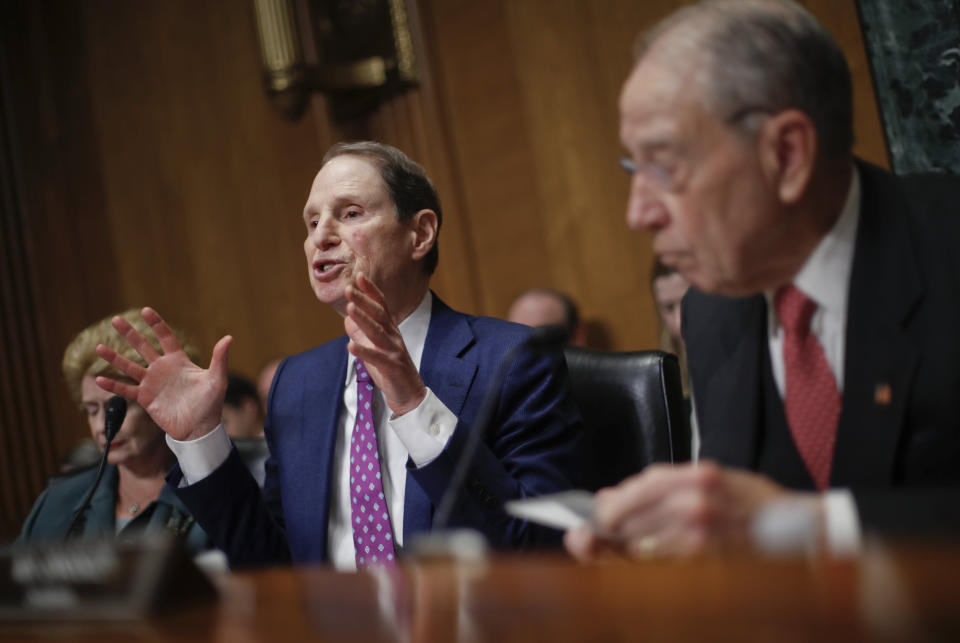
column 812, row 400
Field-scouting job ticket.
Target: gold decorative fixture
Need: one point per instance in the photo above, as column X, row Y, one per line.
column 363, row 50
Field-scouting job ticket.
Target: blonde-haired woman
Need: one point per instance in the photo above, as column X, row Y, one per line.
column 668, row 287
column 132, row 497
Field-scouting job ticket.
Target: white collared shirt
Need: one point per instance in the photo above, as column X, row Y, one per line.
column 420, row 435
column 825, row 278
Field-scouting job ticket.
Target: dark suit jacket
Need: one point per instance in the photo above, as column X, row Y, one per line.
column 899, row 454
column 53, row 512
column 529, row 449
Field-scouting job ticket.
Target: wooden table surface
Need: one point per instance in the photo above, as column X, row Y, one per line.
column 890, row 593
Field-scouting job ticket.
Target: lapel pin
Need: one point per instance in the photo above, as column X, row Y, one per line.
column 882, row 394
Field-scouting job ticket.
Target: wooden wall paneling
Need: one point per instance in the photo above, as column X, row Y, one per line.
column 417, row 123
column 573, row 120
column 531, row 91
column 52, row 169
column 534, row 123
column 216, row 177
column 493, row 155
column 25, row 437
column 156, row 171
column 73, row 264
column 615, row 26
column 26, row 442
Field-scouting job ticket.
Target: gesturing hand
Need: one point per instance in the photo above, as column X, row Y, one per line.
column 678, row 510
column 375, row 338
column 183, row 399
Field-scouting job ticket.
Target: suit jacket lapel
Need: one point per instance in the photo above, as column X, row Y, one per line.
column 320, row 407
column 730, row 425
column 449, row 374
column 885, row 291
column 443, row 366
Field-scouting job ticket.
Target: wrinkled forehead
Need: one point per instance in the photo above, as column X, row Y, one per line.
column 657, row 100
column 349, row 169
column 347, row 177
column 671, row 73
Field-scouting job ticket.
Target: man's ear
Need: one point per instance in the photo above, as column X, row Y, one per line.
column 423, row 227
column 788, row 152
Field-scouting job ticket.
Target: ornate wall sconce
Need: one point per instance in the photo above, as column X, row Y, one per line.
column 357, row 52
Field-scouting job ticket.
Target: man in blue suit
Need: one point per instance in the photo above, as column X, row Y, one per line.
column 409, row 369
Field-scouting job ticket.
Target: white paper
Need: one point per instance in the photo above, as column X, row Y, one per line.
column 564, row 510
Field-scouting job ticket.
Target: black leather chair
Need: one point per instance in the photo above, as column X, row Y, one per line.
column 633, row 412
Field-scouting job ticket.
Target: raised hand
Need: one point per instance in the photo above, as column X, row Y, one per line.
column 183, row 399
column 375, row 338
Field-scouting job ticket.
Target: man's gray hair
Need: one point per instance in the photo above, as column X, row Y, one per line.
column 407, row 183
column 765, row 56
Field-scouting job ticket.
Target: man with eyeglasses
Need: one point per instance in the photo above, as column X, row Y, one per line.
column 822, row 327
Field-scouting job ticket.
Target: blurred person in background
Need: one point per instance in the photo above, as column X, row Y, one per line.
column 547, row 307
column 132, row 497
column 265, row 379
column 668, row 287
column 243, row 422
column 242, row 413
column 821, row 323
column 80, row 455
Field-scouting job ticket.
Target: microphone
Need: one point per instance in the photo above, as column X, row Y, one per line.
column 113, row 415
column 539, row 339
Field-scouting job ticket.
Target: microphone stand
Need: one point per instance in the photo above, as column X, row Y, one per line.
column 116, row 410
column 466, row 542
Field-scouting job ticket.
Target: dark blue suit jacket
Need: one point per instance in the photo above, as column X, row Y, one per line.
column 529, row 449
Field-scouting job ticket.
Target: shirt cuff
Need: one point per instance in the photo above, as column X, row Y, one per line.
column 201, row 457
column 425, row 430
column 842, row 528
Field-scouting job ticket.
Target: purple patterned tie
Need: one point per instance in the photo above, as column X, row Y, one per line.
column 372, row 535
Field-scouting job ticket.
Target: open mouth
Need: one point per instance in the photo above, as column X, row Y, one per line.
column 325, row 268
column 668, row 257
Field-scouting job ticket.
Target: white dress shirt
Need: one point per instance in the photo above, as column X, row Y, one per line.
column 825, row 278
column 419, row 435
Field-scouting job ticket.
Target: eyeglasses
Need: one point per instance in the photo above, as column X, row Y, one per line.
column 652, row 171
column 665, row 179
